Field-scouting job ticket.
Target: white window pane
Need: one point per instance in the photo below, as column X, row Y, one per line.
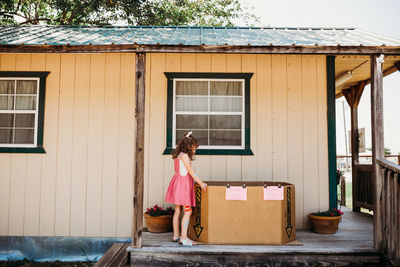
column 7, row 120
column 200, row 135
column 27, row 87
column 6, row 102
column 25, row 103
column 225, row 122
column 227, row 104
column 225, row 138
column 191, row 104
column 7, row 87
column 191, row 122
column 24, row 136
column 24, row 120
column 6, row 136
column 226, row 88
column 191, row 88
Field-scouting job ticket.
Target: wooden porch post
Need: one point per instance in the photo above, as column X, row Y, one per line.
column 137, row 224
column 353, row 96
column 377, row 145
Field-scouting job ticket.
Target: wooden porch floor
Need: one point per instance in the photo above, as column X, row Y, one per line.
column 353, row 242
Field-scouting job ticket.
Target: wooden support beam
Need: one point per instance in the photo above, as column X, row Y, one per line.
column 397, row 65
column 377, row 145
column 353, row 96
column 137, row 225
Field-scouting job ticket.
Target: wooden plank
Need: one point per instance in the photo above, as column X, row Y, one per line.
column 139, row 153
column 64, row 149
column 157, row 130
column 79, row 146
column 230, row 49
column 218, row 163
column 110, row 146
column 388, row 165
column 397, row 211
column 121, row 257
column 149, row 59
column 377, row 144
column 263, row 125
column 172, row 64
column 388, row 209
column 7, row 62
column 249, row 163
column 126, row 146
column 109, row 255
column 323, row 161
column 279, row 118
column 295, row 133
column 354, row 151
column 95, row 145
column 18, row 171
column 392, row 216
column 203, row 163
column 49, row 162
column 234, row 163
column 34, row 172
column 310, row 136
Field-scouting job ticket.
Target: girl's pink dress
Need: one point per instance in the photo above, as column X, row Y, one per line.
column 181, row 188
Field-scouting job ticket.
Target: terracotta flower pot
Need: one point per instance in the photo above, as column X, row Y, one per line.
column 323, row 224
column 158, row 224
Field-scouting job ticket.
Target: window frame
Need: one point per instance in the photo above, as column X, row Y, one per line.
column 172, row 77
column 40, row 76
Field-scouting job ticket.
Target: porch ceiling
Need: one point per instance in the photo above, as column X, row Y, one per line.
column 360, row 66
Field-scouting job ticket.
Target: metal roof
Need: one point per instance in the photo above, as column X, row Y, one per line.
column 210, row 36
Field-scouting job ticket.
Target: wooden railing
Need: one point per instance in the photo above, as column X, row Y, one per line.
column 363, row 190
column 390, row 208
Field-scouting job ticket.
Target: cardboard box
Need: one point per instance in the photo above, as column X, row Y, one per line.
column 216, row 220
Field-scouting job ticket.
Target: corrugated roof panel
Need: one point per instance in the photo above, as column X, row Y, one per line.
column 237, row 36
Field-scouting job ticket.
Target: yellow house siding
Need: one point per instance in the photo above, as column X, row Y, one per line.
column 82, row 186
column 288, row 125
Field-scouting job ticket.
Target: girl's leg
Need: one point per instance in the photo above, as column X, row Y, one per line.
column 175, row 220
column 185, row 222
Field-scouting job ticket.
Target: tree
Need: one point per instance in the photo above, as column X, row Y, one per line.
column 132, row 12
column 386, row 150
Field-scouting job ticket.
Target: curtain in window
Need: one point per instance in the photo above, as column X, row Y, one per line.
column 215, row 100
column 17, row 128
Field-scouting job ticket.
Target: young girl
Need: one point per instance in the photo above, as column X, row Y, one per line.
column 181, row 188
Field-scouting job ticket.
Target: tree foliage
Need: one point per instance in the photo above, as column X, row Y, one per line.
column 132, row 12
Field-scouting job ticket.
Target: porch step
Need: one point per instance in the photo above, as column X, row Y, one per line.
column 193, row 257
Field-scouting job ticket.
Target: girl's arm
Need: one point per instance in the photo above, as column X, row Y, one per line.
column 186, row 162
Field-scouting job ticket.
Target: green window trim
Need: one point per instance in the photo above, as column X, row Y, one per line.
column 176, row 75
column 42, row 75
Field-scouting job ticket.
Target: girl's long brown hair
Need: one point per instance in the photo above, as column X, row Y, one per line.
column 185, row 146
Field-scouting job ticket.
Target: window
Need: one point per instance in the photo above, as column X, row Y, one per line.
column 215, row 106
column 22, row 111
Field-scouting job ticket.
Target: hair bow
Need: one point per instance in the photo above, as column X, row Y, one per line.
column 189, row 134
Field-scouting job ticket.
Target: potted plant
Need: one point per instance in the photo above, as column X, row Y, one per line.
column 325, row 222
column 158, row 220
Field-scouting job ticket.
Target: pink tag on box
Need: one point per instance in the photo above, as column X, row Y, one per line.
column 236, row 193
column 273, row 193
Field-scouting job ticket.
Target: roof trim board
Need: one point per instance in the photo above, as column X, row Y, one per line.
column 323, row 50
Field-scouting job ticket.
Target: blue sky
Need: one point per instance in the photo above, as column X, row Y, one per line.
column 379, row 16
